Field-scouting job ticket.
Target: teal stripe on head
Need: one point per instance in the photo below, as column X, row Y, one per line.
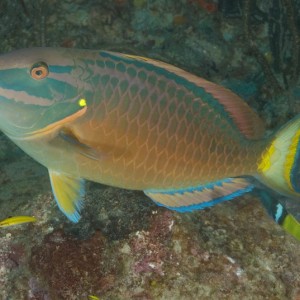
column 9, row 76
column 55, row 88
column 47, row 88
column 60, row 69
column 9, row 95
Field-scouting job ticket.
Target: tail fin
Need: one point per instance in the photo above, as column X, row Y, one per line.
column 277, row 210
column 279, row 165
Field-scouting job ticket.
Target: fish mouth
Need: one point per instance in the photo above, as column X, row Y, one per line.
column 52, row 127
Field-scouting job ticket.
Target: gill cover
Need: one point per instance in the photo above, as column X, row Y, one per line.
column 39, row 87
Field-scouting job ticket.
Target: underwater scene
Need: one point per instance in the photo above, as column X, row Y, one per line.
column 149, row 149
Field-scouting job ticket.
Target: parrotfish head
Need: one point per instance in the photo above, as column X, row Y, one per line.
column 40, row 87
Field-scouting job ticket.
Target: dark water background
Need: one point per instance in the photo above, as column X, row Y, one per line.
column 125, row 247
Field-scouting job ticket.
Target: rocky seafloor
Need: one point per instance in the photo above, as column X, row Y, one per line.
column 126, row 247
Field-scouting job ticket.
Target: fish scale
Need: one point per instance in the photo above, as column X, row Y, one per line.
column 171, row 131
column 138, row 123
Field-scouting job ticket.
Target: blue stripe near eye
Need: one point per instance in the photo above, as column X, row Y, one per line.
column 19, row 79
column 60, row 69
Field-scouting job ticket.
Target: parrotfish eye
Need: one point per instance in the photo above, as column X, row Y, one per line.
column 39, row 70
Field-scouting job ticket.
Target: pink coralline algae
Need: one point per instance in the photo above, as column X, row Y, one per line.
column 152, row 247
column 73, row 268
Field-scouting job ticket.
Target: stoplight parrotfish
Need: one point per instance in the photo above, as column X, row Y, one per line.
column 141, row 124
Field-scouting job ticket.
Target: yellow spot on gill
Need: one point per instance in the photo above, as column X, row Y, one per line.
column 265, row 162
column 290, row 158
column 82, row 102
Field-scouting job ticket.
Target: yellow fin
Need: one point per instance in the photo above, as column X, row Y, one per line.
column 278, row 165
column 16, row 221
column 92, row 297
column 68, row 192
column 292, row 226
column 273, row 203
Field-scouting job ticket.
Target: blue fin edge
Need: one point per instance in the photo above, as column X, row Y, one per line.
column 203, row 205
column 75, row 217
column 191, row 189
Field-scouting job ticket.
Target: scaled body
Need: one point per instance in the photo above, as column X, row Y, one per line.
column 147, row 127
column 134, row 123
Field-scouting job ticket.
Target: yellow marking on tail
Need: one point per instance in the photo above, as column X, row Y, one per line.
column 290, row 158
column 265, row 162
column 291, row 225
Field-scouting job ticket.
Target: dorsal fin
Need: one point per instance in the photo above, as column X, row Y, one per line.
column 246, row 119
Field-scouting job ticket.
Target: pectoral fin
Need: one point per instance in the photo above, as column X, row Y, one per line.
column 68, row 192
column 80, row 147
column 95, row 151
